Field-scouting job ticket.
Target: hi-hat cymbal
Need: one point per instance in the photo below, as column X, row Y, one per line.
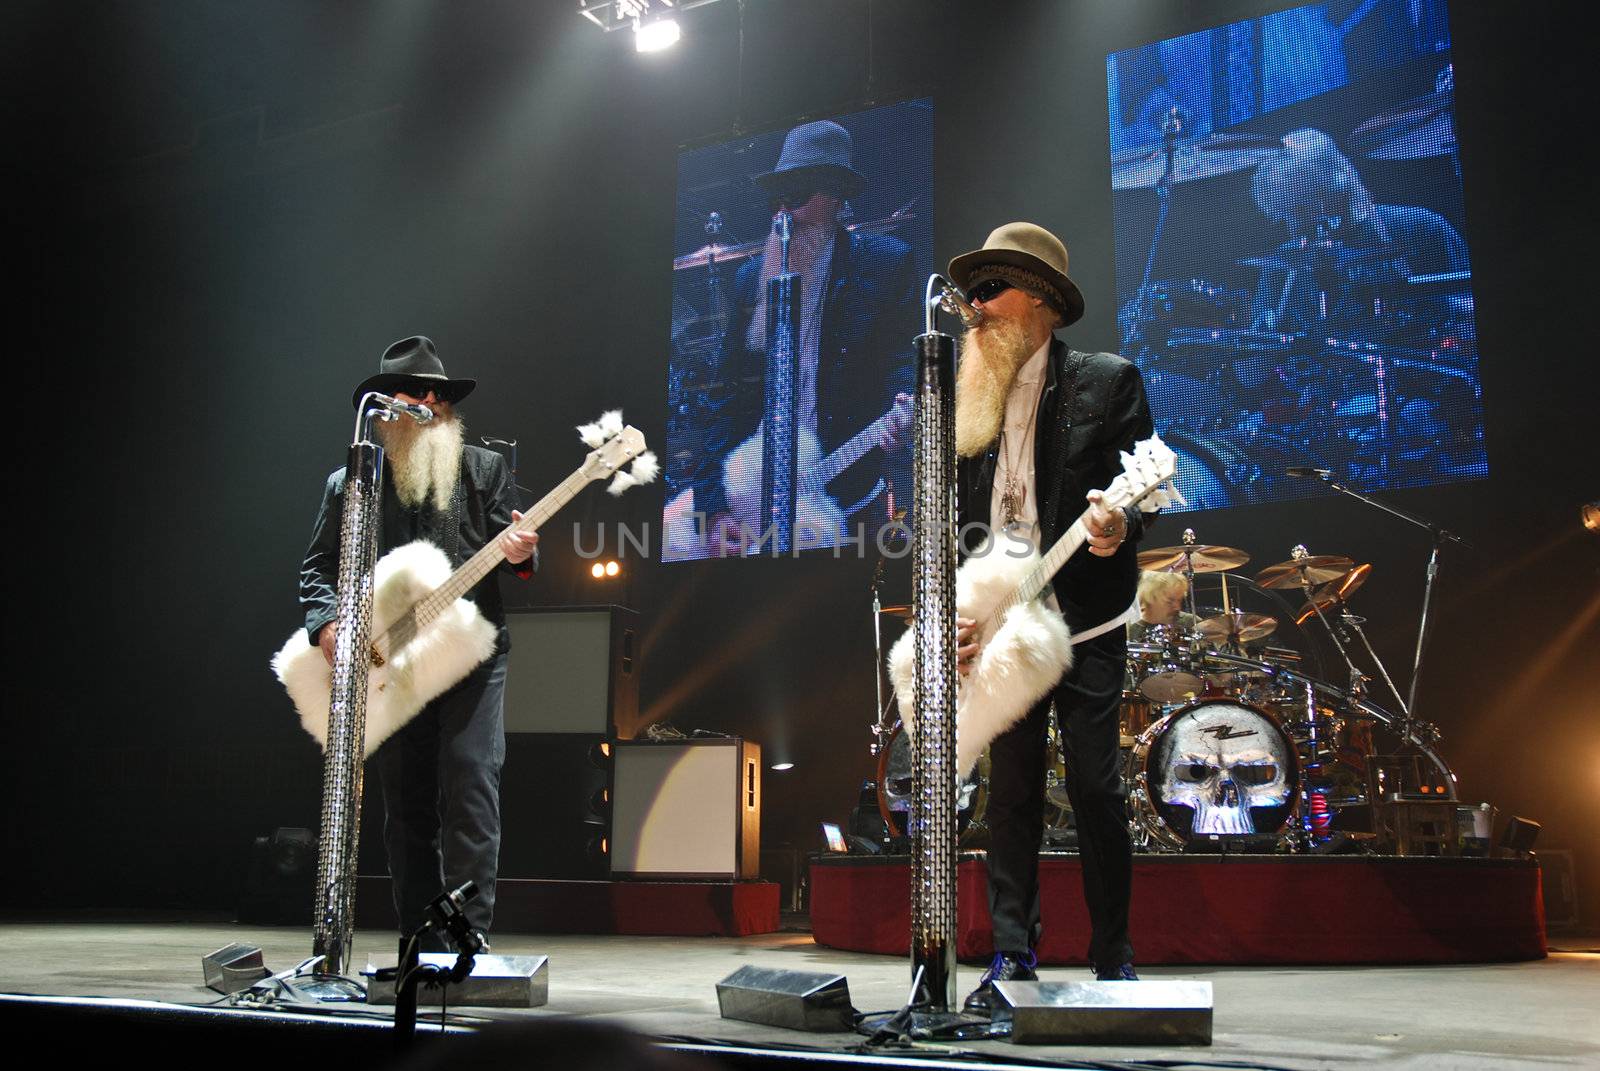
column 1237, row 627
column 1312, row 569
column 902, row 612
column 1334, row 592
column 1206, row 558
column 1206, row 157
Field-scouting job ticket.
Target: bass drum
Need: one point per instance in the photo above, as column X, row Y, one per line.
column 1213, row 770
column 1235, row 467
column 894, row 792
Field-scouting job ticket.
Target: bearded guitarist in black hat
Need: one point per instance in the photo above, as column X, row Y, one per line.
column 440, row 773
column 858, row 314
column 1039, row 427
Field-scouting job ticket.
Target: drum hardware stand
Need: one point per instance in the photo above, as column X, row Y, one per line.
column 1171, row 127
column 931, row 820
column 1440, row 536
column 881, row 729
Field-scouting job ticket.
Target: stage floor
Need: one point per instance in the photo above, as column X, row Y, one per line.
column 1466, row 1016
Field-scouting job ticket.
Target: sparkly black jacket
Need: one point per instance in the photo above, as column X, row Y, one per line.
column 1092, row 408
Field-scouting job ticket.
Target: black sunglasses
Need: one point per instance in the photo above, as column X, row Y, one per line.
column 988, row 290
column 419, row 388
column 795, row 196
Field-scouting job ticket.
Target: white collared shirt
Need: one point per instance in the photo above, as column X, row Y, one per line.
column 1017, row 447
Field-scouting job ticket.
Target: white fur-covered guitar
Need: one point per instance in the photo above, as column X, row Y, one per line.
column 427, row 638
column 820, row 518
column 1026, row 644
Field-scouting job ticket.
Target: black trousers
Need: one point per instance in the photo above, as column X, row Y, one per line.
column 441, row 799
column 1087, row 701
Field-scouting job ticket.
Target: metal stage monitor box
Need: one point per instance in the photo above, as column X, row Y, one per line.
column 686, row 809
column 573, row 670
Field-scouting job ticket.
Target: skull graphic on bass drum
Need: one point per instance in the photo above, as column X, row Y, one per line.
column 1220, row 768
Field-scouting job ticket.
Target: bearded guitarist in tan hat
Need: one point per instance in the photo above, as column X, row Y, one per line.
column 1039, row 426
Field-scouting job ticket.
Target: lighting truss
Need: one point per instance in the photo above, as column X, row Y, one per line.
column 628, row 14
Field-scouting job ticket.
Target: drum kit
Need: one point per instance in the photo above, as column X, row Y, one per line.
column 1329, row 347
column 1232, row 737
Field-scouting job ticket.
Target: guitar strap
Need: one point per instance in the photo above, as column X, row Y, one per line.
column 1122, row 620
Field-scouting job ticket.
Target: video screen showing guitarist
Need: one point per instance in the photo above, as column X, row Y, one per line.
column 440, row 771
column 1040, row 427
column 810, row 362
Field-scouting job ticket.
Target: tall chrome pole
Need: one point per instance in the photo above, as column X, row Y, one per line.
column 333, row 928
column 932, row 818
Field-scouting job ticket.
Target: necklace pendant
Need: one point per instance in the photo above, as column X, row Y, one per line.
column 1009, row 504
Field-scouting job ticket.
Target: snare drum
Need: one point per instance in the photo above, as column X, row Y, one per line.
column 1163, row 668
column 1214, row 769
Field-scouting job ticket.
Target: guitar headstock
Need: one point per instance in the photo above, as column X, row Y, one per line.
column 616, row 444
column 1145, row 478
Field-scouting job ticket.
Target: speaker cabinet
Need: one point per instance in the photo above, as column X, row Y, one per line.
column 688, row 809
column 573, row 670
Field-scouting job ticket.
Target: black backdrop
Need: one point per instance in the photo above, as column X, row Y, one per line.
column 229, row 208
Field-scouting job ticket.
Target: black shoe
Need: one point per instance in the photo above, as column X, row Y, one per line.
column 1005, row 967
column 1122, row 972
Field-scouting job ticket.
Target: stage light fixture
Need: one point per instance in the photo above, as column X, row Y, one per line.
column 781, row 766
column 597, row 571
column 655, row 36
column 600, row 754
column 653, row 22
column 612, row 568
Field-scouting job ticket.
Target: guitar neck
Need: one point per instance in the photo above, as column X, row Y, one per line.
column 1033, row 584
column 857, row 448
column 475, row 568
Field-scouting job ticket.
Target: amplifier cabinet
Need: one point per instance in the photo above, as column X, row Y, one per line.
column 686, row 809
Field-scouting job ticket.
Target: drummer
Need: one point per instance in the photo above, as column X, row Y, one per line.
column 1161, row 597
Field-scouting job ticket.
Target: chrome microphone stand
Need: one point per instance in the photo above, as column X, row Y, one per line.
column 931, row 820
column 333, row 928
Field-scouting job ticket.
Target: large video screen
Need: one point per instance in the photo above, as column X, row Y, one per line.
column 800, row 258
column 1292, row 274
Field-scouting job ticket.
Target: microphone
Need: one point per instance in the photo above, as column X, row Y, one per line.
column 954, row 302
column 1303, row 470
column 394, row 406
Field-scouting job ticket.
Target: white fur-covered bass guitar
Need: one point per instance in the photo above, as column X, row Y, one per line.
column 427, row 638
column 1026, row 645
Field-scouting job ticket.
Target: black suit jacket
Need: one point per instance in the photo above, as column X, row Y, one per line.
column 1092, row 408
column 486, row 496
column 869, row 318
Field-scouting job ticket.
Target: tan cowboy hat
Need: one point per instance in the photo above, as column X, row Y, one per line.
column 1030, row 258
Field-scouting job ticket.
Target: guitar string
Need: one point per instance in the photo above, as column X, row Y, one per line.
column 424, row 610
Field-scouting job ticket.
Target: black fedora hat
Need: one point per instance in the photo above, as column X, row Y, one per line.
column 1028, row 257
column 412, row 365
column 814, row 152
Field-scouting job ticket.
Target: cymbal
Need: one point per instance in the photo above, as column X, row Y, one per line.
column 1207, row 157
column 1313, row 256
column 1206, row 558
column 1237, row 626
column 902, row 612
column 1332, row 593
column 1313, row 568
column 1419, row 128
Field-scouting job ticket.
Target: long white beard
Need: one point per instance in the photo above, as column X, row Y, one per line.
column 992, row 355
column 424, row 460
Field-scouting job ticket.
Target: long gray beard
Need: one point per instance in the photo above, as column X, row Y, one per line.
column 992, row 355
column 424, row 460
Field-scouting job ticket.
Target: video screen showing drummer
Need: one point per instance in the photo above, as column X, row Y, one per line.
column 1293, row 278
